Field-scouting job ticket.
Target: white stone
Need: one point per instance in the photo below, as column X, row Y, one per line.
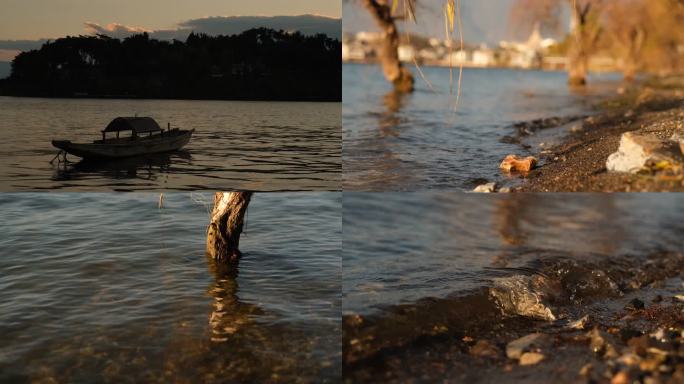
column 634, row 152
column 531, row 358
column 485, row 188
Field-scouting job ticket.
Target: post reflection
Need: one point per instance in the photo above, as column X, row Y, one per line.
column 229, row 315
column 532, row 221
column 393, row 102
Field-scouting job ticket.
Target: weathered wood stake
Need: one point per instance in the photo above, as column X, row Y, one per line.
column 227, row 218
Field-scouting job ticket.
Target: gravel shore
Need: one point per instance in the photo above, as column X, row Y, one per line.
column 578, row 163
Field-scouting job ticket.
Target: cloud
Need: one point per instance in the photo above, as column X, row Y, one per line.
column 228, row 25
column 113, row 29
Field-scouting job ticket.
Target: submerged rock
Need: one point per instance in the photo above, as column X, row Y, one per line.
column 486, row 188
column 637, row 151
column 523, row 296
column 634, row 304
column 518, row 164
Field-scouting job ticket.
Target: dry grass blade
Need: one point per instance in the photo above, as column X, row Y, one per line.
column 460, row 72
column 450, row 12
column 422, row 75
column 410, row 9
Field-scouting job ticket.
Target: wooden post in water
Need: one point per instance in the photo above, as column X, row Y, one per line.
column 394, row 71
column 225, row 227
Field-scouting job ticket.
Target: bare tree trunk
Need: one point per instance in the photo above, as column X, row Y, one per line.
column 578, row 57
column 577, row 70
column 632, row 42
column 227, row 218
column 394, row 71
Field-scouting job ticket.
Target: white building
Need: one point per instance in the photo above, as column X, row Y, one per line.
column 459, row 57
column 356, row 51
column 429, row 54
column 529, row 53
column 483, row 57
column 368, row 37
column 406, row 52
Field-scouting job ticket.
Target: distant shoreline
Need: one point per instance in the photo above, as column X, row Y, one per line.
column 465, row 66
column 124, row 97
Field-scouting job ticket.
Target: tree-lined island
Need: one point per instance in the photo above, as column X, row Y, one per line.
column 258, row 64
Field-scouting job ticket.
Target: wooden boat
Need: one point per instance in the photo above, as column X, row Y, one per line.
column 146, row 137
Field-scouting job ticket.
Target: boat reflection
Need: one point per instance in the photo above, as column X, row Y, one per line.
column 143, row 167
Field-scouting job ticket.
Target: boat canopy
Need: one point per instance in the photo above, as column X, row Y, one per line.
column 135, row 124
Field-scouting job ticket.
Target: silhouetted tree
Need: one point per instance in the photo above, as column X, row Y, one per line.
column 258, row 64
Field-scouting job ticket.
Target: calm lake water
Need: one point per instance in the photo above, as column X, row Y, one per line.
column 417, row 142
column 403, row 247
column 263, row 146
column 105, row 287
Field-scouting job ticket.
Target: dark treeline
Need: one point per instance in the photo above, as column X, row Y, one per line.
column 259, row 64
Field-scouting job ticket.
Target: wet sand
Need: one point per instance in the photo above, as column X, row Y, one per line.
column 578, row 162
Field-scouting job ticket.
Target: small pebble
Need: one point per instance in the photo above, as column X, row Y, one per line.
column 586, row 370
column 531, row 358
column 485, row 349
column 621, row 377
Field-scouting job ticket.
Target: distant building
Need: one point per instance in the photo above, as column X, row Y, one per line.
column 368, row 37
column 435, row 42
column 459, row 57
column 406, row 52
column 483, row 57
column 528, row 54
column 360, row 47
column 429, row 54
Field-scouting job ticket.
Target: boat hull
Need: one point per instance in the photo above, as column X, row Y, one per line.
column 169, row 143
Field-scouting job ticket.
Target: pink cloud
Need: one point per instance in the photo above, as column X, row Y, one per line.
column 114, row 29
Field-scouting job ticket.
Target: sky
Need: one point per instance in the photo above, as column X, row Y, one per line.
column 484, row 21
column 35, row 19
column 26, row 24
